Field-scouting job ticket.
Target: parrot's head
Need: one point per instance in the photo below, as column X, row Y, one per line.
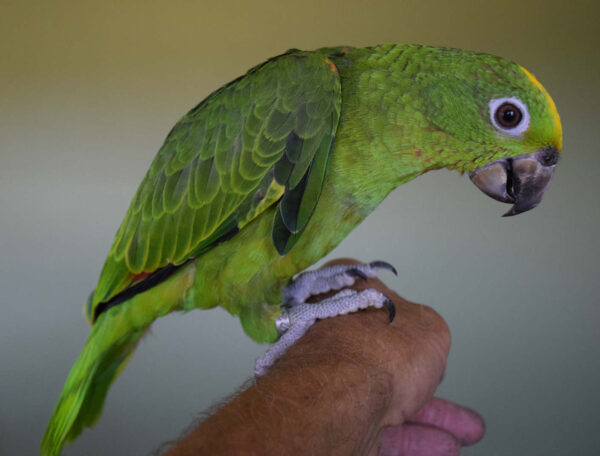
column 503, row 124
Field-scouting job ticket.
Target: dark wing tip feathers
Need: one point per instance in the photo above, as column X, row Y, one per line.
column 153, row 279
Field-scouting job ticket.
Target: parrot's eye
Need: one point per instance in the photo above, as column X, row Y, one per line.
column 509, row 115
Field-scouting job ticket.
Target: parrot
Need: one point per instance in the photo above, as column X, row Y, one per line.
column 273, row 170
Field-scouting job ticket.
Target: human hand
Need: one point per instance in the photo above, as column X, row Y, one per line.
column 353, row 384
column 440, row 427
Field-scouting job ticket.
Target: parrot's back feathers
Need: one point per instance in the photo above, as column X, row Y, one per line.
column 261, row 137
column 264, row 136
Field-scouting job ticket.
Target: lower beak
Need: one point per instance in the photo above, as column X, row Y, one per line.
column 521, row 181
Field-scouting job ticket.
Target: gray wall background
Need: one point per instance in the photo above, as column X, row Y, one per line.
column 88, row 91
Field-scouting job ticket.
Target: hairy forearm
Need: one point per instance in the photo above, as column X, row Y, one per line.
column 323, row 397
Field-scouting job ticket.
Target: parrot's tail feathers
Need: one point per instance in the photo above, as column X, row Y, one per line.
column 105, row 353
column 115, row 334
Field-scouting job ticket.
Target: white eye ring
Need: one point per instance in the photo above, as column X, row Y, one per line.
column 518, row 129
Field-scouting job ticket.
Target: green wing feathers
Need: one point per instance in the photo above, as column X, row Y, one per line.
column 262, row 137
column 261, row 140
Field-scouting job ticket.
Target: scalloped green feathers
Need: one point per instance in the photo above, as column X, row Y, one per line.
column 263, row 139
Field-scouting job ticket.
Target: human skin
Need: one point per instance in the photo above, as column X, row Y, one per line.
column 354, row 384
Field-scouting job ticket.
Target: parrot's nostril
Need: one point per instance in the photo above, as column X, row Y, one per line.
column 548, row 156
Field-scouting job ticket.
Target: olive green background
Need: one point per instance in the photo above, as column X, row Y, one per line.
column 88, row 91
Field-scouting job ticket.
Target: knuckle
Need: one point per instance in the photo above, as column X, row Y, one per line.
column 435, row 326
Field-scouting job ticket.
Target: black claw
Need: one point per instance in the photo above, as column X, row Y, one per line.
column 356, row 273
column 391, row 308
column 383, row 265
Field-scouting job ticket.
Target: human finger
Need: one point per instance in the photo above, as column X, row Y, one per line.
column 465, row 424
column 417, row 440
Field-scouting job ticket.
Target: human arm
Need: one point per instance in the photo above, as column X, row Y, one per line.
column 353, row 384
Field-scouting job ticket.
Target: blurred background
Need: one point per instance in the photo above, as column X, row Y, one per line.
column 88, row 92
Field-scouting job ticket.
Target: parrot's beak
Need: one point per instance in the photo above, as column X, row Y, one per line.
column 520, row 180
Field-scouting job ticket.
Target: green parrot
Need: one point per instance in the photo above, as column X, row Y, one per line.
column 271, row 171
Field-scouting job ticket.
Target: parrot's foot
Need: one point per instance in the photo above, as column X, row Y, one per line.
column 302, row 316
column 311, row 283
column 297, row 315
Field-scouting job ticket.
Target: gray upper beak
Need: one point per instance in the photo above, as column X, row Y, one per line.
column 520, row 180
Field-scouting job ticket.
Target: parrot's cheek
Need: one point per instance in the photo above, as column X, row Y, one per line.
column 521, row 181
